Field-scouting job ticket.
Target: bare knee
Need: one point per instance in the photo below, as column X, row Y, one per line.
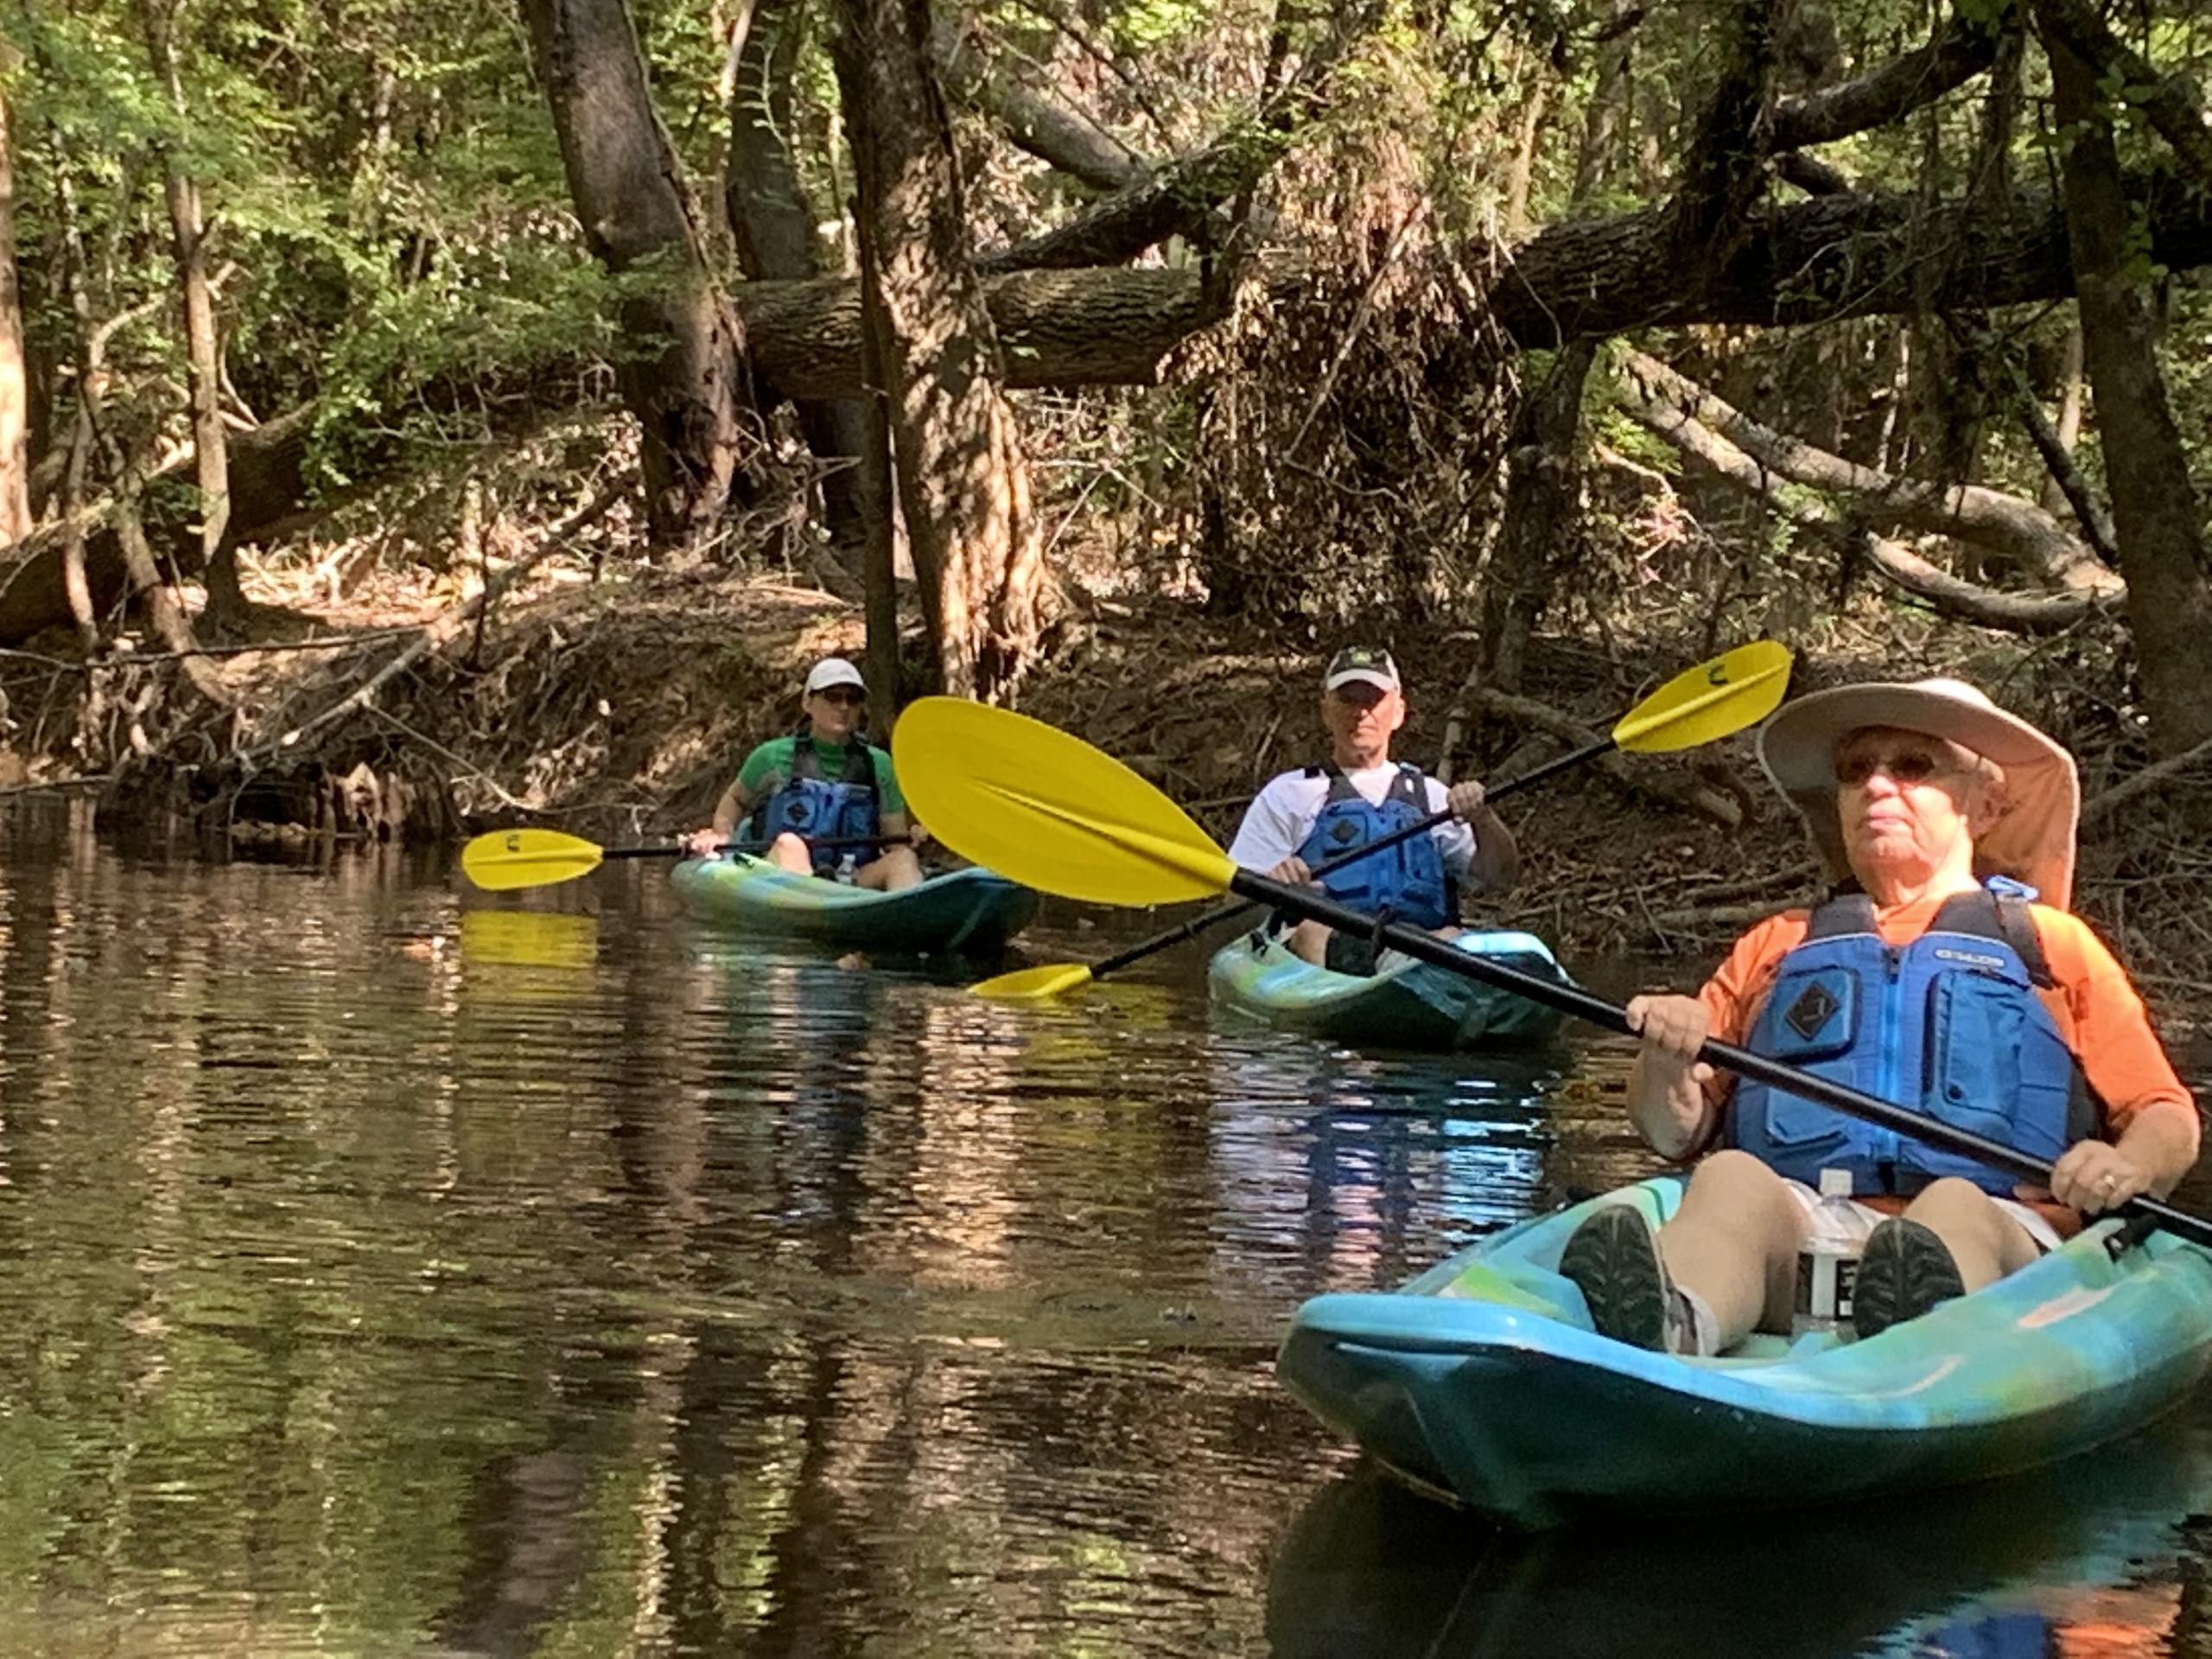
column 1309, row 940
column 1735, row 1178
column 1985, row 1242
column 788, row 852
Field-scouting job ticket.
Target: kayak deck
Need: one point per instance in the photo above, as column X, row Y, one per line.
column 1481, row 1381
column 1407, row 1004
column 970, row 909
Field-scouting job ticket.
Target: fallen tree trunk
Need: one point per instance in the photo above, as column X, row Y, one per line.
column 267, row 477
column 2010, row 613
column 2019, row 528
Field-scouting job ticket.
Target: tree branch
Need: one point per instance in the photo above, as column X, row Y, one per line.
column 1964, row 49
column 1989, row 518
column 2170, row 103
column 1045, row 126
column 1700, row 444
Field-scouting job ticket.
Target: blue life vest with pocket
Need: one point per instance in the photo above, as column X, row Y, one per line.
column 1407, row 881
column 818, row 809
column 1949, row 1024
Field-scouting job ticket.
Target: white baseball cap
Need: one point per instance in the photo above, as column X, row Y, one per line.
column 1361, row 663
column 833, row 670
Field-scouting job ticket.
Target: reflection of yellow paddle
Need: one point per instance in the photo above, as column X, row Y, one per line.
column 528, row 938
column 1048, row 810
column 1700, row 705
column 504, row 859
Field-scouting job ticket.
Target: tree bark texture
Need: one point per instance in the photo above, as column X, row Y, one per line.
column 1036, row 121
column 2154, row 509
column 2167, row 102
column 203, row 348
column 1542, row 533
column 15, row 379
column 630, row 194
column 963, row 486
column 771, row 227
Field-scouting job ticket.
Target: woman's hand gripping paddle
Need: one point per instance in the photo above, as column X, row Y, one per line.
column 1048, row 810
column 505, row 859
column 1700, row 705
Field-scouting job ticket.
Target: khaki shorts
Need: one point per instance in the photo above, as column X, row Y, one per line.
column 1849, row 1224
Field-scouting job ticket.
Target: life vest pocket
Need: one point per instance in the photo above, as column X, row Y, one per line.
column 1816, row 1014
column 1812, row 1020
column 1976, row 1029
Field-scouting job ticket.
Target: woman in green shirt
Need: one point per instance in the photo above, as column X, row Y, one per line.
column 824, row 782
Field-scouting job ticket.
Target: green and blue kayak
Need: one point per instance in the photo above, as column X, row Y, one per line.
column 1405, row 1004
column 972, row 909
column 1482, row 1382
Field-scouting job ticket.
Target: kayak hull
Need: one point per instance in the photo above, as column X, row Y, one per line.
column 1409, row 1004
column 973, row 910
column 1482, row 1382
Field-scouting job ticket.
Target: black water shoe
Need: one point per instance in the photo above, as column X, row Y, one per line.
column 1905, row 1270
column 1614, row 1261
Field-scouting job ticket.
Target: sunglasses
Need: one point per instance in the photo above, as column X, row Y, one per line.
column 1904, row 766
column 851, row 696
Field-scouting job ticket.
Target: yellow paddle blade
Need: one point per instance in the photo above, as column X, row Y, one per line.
column 1033, row 984
column 1707, row 702
column 528, row 858
column 1047, row 810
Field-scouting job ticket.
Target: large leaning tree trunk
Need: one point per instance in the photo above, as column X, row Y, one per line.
column 963, row 486
column 772, row 227
column 227, row 608
column 15, row 381
column 629, row 192
column 2154, row 508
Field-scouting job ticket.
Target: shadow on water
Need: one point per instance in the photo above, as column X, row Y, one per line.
column 2096, row 1555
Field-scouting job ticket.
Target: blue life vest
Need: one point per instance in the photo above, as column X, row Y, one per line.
column 1949, row 1024
column 1407, row 880
column 815, row 809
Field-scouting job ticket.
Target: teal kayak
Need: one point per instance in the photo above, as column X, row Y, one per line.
column 1408, row 1004
column 970, row 909
column 1482, row 1382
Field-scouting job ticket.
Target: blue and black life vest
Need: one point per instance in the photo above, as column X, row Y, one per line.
column 1949, row 1024
column 1407, row 881
column 816, row 809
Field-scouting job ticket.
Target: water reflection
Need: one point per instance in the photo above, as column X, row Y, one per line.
column 2100, row 1556
column 383, row 1270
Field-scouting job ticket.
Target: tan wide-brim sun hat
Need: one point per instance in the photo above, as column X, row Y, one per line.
column 2033, row 842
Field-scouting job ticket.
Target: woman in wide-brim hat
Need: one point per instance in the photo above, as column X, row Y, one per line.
column 1943, row 971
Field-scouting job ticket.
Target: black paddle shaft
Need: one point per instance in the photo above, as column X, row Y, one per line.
column 1570, row 999
column 1221, row 913
column 752, row 846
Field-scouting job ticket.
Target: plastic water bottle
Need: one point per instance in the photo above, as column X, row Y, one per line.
column 1826, row 1268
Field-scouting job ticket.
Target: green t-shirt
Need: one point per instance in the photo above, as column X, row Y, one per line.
column 768, row 768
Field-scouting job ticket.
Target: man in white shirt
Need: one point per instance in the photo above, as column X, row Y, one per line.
column 1307, row 817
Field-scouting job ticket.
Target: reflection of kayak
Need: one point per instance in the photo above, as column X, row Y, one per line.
column 963, row 910
column 1369, row 1568
column 1481, row 1378
column 1408, row 1005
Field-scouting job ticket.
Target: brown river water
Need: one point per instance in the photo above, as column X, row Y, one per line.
column 389, row 1270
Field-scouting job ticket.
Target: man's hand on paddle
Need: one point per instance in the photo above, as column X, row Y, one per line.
column 1465, row 799
column 1673, row 1028
column 1293, row 872
column 704, row 843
